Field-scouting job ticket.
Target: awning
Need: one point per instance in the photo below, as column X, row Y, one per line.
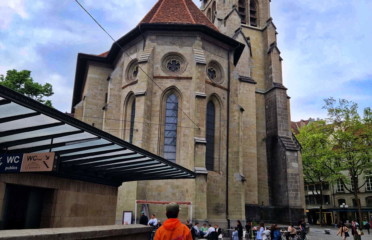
column 85, row 153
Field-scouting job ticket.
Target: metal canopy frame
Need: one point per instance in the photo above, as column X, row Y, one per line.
column 85, row 153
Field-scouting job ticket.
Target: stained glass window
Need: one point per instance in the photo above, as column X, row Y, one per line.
column 170, row 128
column 132, row 116
column 211, row 123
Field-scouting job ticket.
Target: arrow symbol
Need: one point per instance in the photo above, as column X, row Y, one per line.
column 46, row 165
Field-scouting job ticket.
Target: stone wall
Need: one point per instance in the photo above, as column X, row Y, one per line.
column 71, row 203
column 127, row 232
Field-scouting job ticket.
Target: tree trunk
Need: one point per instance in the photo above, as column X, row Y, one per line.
column 321, row 204
column 359, row 207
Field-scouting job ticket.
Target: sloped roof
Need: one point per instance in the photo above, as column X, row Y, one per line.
column 84, row 152
column 177, row 12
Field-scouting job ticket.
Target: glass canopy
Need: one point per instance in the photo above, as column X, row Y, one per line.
column 85, row 153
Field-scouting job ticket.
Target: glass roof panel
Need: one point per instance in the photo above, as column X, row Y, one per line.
column 75, row 137
column 97, row 149
column 27, row 122
column 101, row 155
column 121, row 162
column 78, row 144
column 13, row 109
column 39, row 133
column 138, row 161
column 142, row 160
column 32, row 144
column 144, row 166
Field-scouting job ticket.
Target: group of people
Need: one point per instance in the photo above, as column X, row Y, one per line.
column 274, row 232
column 356, row 230
column 172, row 228
column 209, row 232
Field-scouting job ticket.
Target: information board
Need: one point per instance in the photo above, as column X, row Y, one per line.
column 10, row 163
column 28, row 162
column 38, row 162
column 127, row 218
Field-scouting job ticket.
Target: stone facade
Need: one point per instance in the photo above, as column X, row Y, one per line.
column 255, row 164
column 64, row 202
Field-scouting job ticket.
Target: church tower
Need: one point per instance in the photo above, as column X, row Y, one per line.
column 279, row 165
column 203, row 91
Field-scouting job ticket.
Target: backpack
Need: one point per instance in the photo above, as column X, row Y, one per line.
column 193, row 232
column 277, row 235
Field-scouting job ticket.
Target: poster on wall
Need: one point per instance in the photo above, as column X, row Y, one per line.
column 127, row 217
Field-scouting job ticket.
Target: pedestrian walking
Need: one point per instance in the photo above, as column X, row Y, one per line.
column 260, row 231
column 343, row 231
column 172, row 228
column 275, row 232
column 235, row 234
column 367, row 226
column 239, row 226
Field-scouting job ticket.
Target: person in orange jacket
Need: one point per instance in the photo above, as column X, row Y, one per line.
column 172, row 228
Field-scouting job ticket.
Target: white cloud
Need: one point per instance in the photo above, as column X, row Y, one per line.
column 9, row 10
column 326, row 51
column 61, row 99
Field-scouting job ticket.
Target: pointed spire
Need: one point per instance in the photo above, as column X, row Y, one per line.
column 177, row 12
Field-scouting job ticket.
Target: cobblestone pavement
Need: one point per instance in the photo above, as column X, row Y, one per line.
column 317, row 233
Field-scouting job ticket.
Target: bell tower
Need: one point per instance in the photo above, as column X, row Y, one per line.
column 277, row 170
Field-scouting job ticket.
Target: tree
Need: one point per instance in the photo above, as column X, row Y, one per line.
column 351, row 139
column 22, row 82
column 316, row 152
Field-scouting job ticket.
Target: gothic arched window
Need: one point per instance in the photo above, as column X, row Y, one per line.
column 214, row 9
column 132, row 116
column 170, row 128
column 242, row 11
column 209, row 14
column 253, row 13
column 129, row 117
column 210, row 132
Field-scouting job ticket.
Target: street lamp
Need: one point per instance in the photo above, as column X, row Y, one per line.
column 343, row 205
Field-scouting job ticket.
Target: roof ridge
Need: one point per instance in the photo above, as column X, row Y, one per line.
column 157, row 10
column 188, row 11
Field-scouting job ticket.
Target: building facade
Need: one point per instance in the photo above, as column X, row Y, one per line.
column 204, row 89
column 338, row 203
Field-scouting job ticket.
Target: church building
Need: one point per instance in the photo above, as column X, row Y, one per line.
column 202, row 88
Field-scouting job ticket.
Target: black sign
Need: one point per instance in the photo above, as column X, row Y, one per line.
column 10, row 163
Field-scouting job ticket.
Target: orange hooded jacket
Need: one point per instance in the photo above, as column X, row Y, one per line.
column 173, row 229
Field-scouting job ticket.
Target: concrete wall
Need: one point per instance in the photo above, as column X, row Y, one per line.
column 73, row 203
column 127, row 232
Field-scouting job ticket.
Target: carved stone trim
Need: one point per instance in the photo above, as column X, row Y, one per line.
column 199, row 56
column 140, row 94
column 247, row 79
column 129, row 84
column 201, row 170
column 200, row 140
column 145, row 55
column 216, row 85
column 200, row 95
column 173, row 77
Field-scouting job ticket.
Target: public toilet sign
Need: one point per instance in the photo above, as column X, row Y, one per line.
column 28, row 162
column 10, row 163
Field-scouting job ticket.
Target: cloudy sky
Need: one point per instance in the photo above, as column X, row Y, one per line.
column 326, row 45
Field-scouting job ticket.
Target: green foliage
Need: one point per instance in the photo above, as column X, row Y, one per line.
column 340, row 148
column 316, row 152
column 351, row 140
column 22, row 82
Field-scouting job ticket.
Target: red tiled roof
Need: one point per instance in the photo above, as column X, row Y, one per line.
column 177, row 12
column 104, row 54
column 295, row 126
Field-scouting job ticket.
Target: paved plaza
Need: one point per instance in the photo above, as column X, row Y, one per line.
column 317, row 233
